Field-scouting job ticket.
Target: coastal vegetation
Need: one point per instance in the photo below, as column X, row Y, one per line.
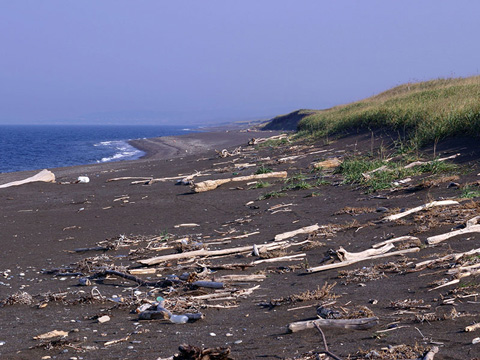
column 421, row 113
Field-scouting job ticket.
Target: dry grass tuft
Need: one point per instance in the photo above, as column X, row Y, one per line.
column 398, row 352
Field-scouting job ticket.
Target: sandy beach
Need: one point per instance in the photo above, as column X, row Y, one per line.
column 120, row 224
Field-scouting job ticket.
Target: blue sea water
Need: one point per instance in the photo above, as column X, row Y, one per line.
column 30, row 147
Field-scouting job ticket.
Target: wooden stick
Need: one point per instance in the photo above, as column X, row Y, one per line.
column 347, row 263
column 304, row 230
column 419, row 208
column 398, row 239
column 203, row 252
column 472, row 226
column 241, row 278
column 344, row 255
column 355, row 324
column 208, row 185
column 281, row 258
column 450, row 257
column 418, row 163
column 144, row 178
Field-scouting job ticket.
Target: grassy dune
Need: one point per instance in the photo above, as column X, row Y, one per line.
column 422, row 113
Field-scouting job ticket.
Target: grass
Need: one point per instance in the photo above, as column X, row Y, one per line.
column 263, row 170
column 469, row 192
column 272, row 143
column 423, row 112
column 261, row 185
column 354, row 168
column 322, row 182
column 270, row 195
column 298, row 185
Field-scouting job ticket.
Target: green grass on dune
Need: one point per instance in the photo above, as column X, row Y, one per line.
column 423, row 112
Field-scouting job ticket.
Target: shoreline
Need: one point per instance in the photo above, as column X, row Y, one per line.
column 157, row 148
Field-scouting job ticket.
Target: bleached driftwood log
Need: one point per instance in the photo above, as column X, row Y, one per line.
column 204, row 252
column 328, row 164
column 419, row 208
column 255, row 141
column 431, row 354
column 355, row 324
column 472, row 327
column 419, row 163
column 143, row 178
column 43, row 176
column 398, row 239
column 344, row 255
column 281, row 258
column 225, row 153
column 346, row 263
column 471, row 227
column 450, row 257
column 303, row 230
column 368, row 175
column 208, row 185
column 458, row 276
column 242, row 278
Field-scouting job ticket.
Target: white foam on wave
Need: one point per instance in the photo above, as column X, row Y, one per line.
column 123, row 151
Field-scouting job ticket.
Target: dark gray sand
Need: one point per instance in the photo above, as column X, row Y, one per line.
column 43, row 223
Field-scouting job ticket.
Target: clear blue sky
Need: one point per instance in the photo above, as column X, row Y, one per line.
column 155, row 61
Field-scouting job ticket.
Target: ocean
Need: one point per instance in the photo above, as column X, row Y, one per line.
column 31, row 147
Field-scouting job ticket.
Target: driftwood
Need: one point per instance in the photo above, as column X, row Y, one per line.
column 346, row 263
column 281, row 258
column 355, row 324
column 204, row 252
column 398, row 239
column 472, row 327
column 144, row 178
column 430, row 355
column 304, row 230
column 419, row 208
column 290, row 158
column 149, row 180
column 450, row 257
column 255, row 141
column 368, row 175
column 242, row 278
column 471, row 227
column 419, row 163
column 328, row 164
column 225, row 153
column 458, row 275
column 344, row 255
column 51, row 334
column 208, row 185
column 42, row 176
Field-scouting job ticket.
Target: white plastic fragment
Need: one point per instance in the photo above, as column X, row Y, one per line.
column 83, row 179
column 103, row 319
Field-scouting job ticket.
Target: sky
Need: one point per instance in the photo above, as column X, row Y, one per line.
column 195, row 62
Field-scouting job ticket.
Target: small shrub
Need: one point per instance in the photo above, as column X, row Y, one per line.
column 270, row 195
column 469, row 192
column 263, row 170
column 261, row 185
